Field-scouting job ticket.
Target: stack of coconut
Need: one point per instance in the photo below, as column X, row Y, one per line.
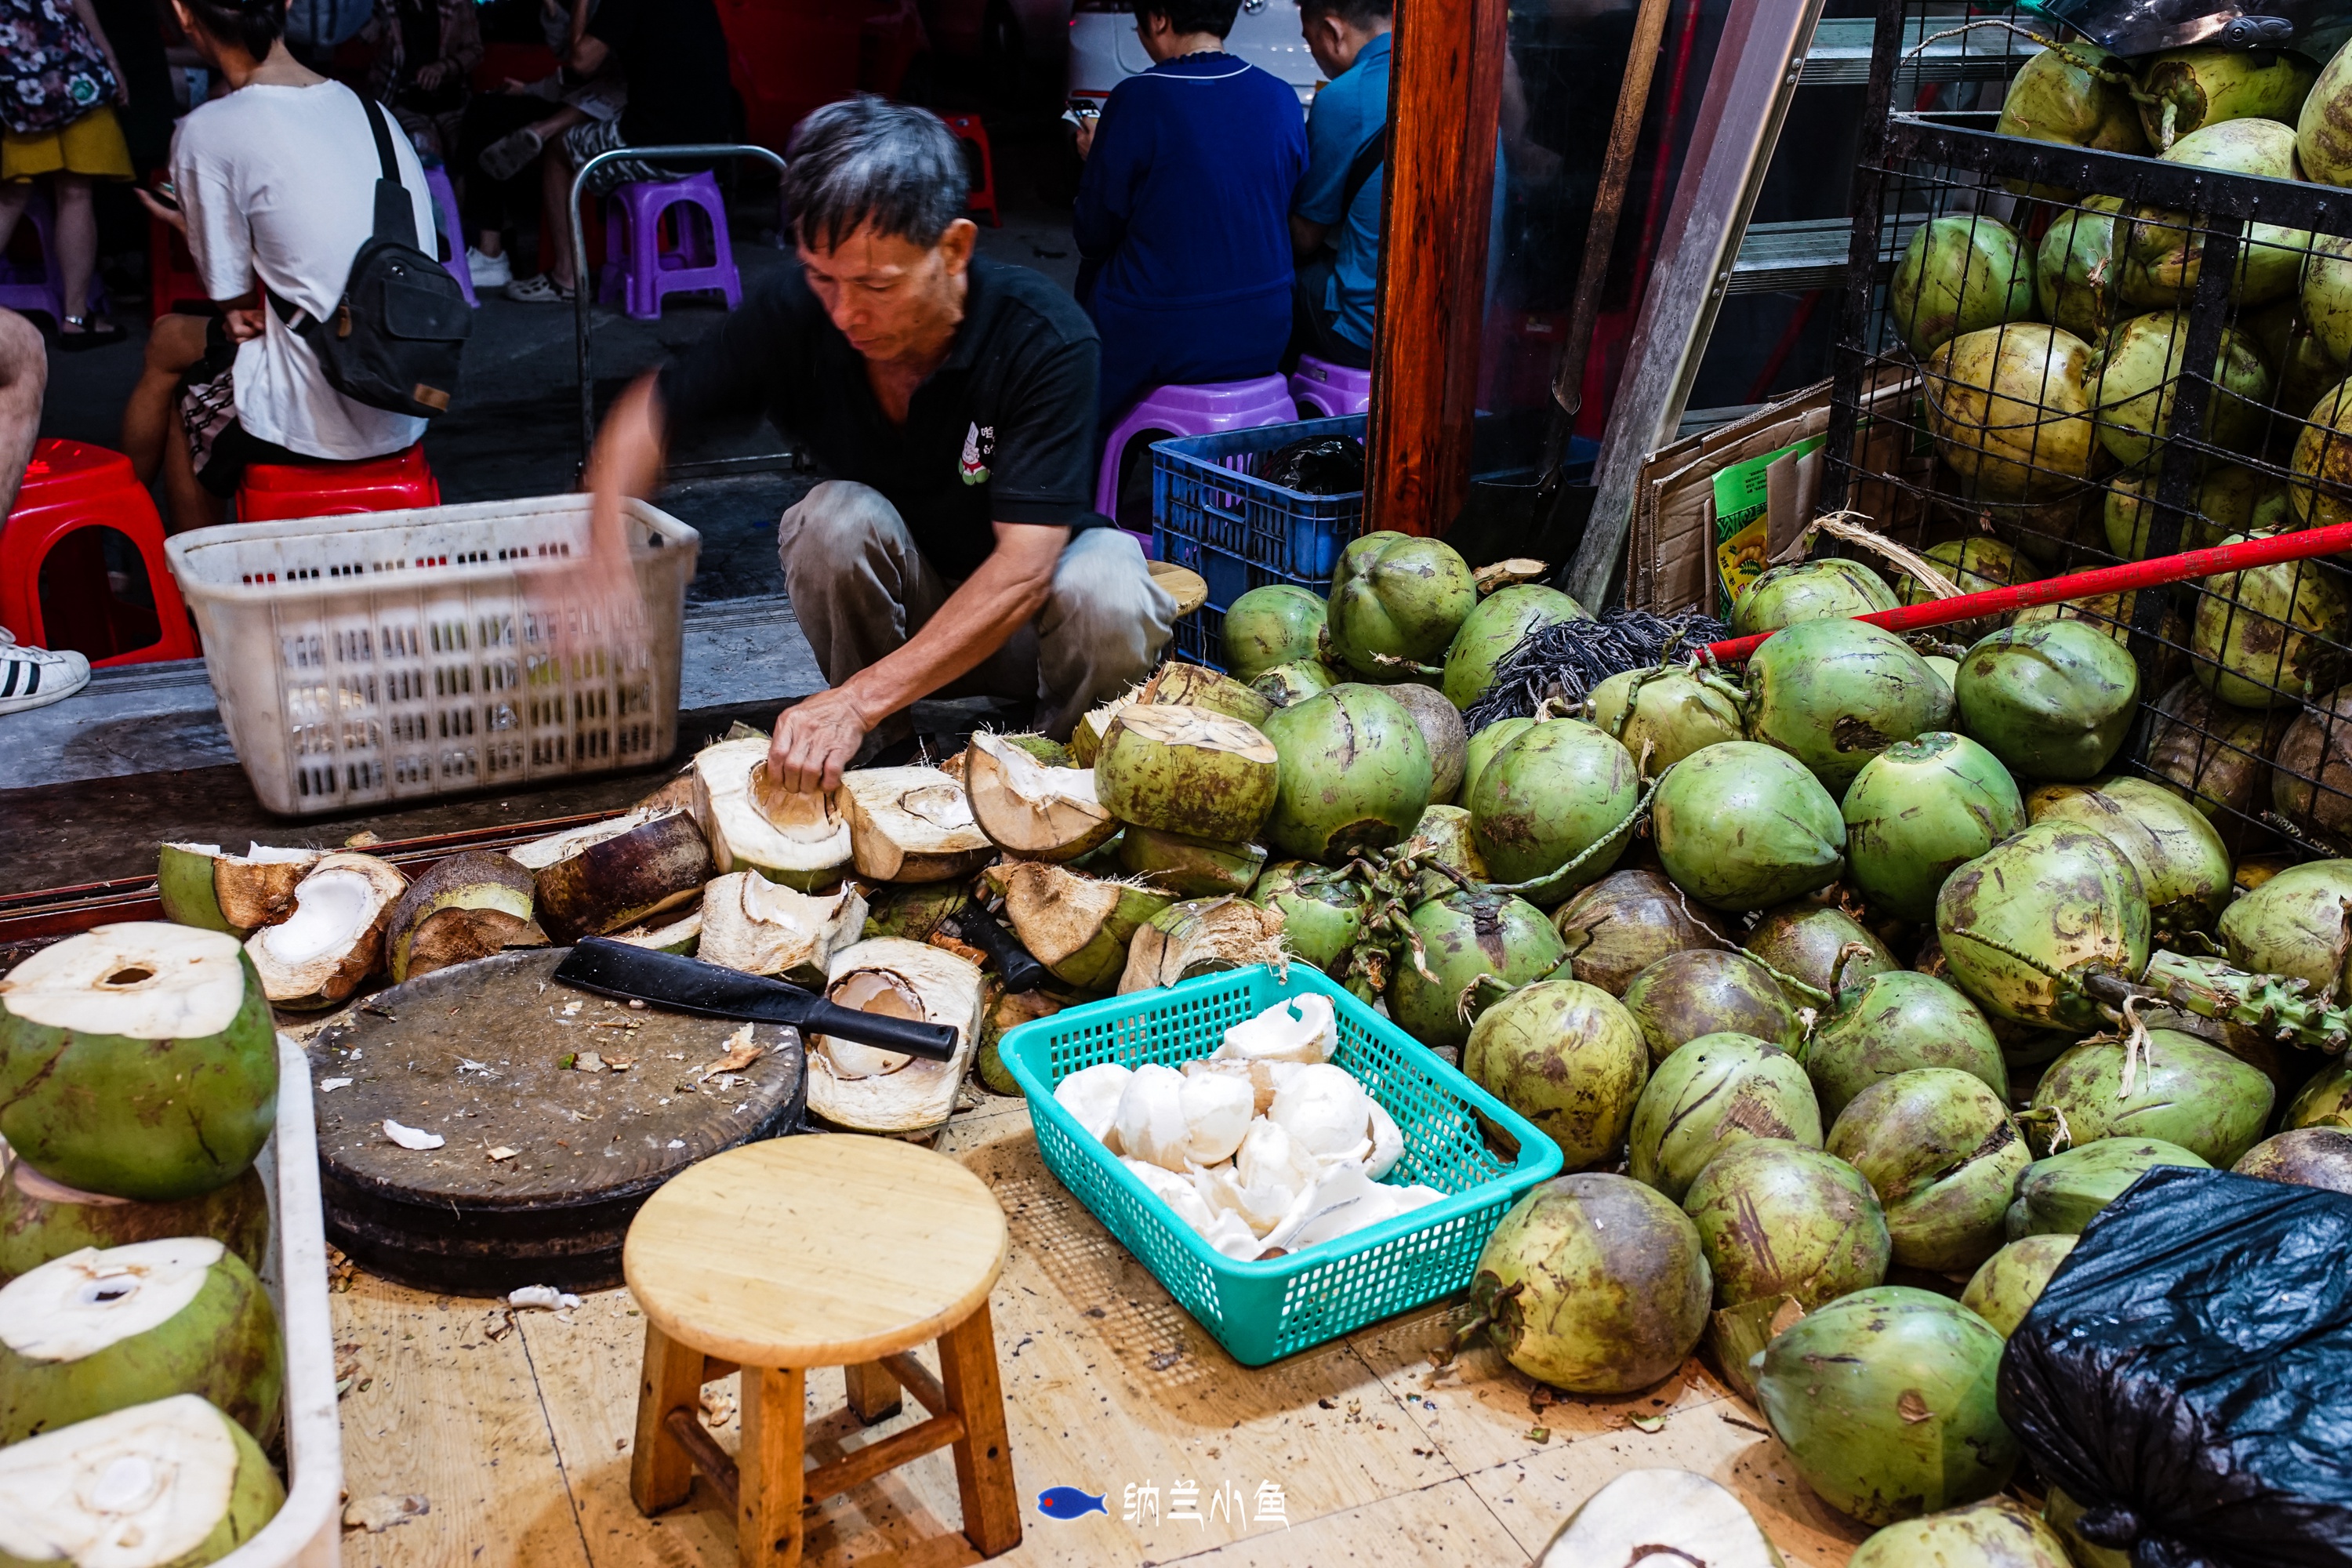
column 142, row 1368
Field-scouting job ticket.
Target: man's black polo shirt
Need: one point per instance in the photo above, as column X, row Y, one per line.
column 1002, row 432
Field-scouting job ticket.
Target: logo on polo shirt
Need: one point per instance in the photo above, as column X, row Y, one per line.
column 979, row 447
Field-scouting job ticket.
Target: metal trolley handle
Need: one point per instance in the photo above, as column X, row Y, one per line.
column 580, row 254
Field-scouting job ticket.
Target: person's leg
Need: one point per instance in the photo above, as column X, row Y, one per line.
column 150, row 418
column 1105, row 624
column 859, row 586
column 186, row 499
column 15, row 196
column 77, row 242
column 555, row 202
column 24, row 378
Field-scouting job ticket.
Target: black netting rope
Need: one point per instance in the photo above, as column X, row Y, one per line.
column 1564, row 662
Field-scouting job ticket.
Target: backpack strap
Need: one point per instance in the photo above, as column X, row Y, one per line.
column 1366, row 162
column 396, row 219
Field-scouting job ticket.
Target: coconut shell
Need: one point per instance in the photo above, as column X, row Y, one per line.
column 1628, row 921
column 199, row 885
column 910, row 825
column 2005, row 1286
column 1189, row 867
column 754, row 925
column 1672, row 1514
column 1441, row 730
column 329, row 976
column 1180, row 685
column 907, row 980
column 1688, row 994
column 1200, row 937
column 41, row 1219
column 2303, row 1157
column 1779, row 1219
column 1029, row 808
column 620, row 882
column 1186, row 770
column 1078, row 927
column 467, row 906
column 800, row 839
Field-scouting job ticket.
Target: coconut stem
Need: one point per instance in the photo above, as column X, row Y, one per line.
column 1553, row 877
column 1409, row 665
column 2281, row 1006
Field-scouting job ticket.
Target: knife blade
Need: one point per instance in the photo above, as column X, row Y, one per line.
column 713, row 991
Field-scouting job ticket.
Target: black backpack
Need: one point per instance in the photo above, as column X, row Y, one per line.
column 396, row 334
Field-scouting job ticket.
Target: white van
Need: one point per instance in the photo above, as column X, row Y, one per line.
column 1105, row 51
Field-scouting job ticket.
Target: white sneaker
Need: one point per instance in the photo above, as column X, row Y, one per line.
column 489, row 271
column 35, row 677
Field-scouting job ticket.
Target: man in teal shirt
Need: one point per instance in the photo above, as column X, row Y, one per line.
column 1335, row 218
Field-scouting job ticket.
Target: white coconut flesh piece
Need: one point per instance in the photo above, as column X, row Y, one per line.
column 147, row 980
column 73, row 1307
column 139, row 1487
column 910, row 825
column 1149, row 1120
column 1092, row 1095
column 870, row 1089
column 765, row 928
column 798, row 837
column 1326, row 1111
column 1028, row 808
column 1659, row 1519
column 1302, row 1029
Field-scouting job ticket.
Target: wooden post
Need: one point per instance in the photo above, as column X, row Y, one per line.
column 1446, row 95
column 873, row 1392
column 768, row 1468
column 984, row 1455
column 671, row 1378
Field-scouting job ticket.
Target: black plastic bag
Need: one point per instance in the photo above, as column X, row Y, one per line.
column 2187, row 1375
column 1318, row 466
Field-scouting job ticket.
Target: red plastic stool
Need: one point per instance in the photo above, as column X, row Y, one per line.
column 982, row 168
column 275, row 491
column 56, row 590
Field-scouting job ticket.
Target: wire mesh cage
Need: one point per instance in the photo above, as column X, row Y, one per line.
column 2115, row 325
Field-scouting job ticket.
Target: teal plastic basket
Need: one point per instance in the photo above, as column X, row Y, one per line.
column 1457, row 1138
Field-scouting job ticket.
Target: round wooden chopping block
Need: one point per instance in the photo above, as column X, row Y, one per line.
column 544, row 1160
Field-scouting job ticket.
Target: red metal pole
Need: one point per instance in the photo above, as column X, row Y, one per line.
column 2123, row 579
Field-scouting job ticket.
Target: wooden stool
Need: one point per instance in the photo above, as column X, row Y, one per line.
column 829, row 1249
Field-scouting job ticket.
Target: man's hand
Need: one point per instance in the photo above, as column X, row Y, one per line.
column 1086, row 123
column 433, row 74
column 816, row 740
column 171, row 216
column 243, row 325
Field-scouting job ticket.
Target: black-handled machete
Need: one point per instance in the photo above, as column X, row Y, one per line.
column 1015, row 965
column 690, row 986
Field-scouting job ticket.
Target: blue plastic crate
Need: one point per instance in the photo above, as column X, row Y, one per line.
column 1457, row 1138
column 1213, row 514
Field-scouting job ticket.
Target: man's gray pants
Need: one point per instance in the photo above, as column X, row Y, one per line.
column 861, row 588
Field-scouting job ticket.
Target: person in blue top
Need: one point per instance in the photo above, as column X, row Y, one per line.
column 1182, row 211
column 1335, row 218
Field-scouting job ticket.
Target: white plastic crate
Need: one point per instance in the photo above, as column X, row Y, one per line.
column 393, row 656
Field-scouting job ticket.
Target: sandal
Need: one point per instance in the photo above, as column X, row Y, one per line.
column 84, row 336
column 510, row 155
column 540, row 289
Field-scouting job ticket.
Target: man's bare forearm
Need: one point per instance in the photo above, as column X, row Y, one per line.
column 627, row 459
column 978, row 617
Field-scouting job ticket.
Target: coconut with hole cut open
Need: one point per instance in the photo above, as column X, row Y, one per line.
column 470, row 906
column 1187, row 770
column 797, row 838
column 333, row 941
column 868, row 1090
column 910, row 825
column 617, row 874
column 1029, row 809
column 1086, row 737
column 754, row 925
column 1663, row 1516
column 173, row 1484
column 1198, row 938
column 200, row 886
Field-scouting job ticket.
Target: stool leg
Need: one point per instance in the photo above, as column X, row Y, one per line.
column 660, row 1474
column 873, row 1392
column 768, row 1468
column 984, row 1455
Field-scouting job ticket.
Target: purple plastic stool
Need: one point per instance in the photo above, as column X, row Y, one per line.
column 44, row 292
column 1328, row 391
column 453, row 228
column 1204, row 409
column 639, row 273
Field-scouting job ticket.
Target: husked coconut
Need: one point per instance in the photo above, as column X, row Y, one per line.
column 1259, row 1076
column 1085, row 739
column 1192, row 771
column 797, row 838
column 1301, row 1029
column 765, row 928
column 867, row 1090
column 1078, row 927
column 614, row 875
column 200, row 886
column 1200, row 937
column 171, row 1484
column 1029, row 809
column 1664, row 1516
column 1324, row 1109
column 1150, row 1117
column 1092, row 1095
column 910, row 825
column 470, row 906
column 1218, row 1109
column 333, row 941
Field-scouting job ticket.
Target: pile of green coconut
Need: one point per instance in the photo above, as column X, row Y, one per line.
column 142, row 1366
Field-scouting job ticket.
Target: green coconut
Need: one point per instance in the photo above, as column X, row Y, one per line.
column 2184, row 868
column 2005, row 1286
column 1560, row 794
column 93, row 1333
column 2321, row 488
column 1663, row 715
column 1941, row 1151
column 199, row 885
column 1885, row 1400
column 2165, row 256
column 2180, row 1090
column 2225, row 500
column 2302, row 1157
column 1396, row 603
column 1834, row 694
column 1180, row 685
column 1441, row 838
column 2022, row 924
column 1742, row 825
column 2009, row 408
column 1718, row 1091
column 1685, row 996
column 1568, row 1057
column 1187, row 770
column 1294, row 682
column 1999, row 1532
column 1974, row 565
column 138, row 1061
column 1958, row 275
column 2051, row 699
column 1628, row 921
column 1918, row 811
column 2325, row 1098
column 2327, row 299
column 2264, row 636
column 2136, row 379
column 1441, row 730
column 1821, row 948
column 1189, row 867
column 2312, row 785
column 2207, row 84
column 1501, row 621
column 1322, row 911
column 2076, row 95
column 468, row 905
column 1276, row 625
column 1804, row 591
column 1778, row 1218
column 1594, row 1284
column 2058, row 1195
column 172, row 1484
column 2286, row 334
column 1895, row 1023
column 1462, row 937
column 2077, row 271
column 41, row 1219
column 1483, row 747
column 2322, row 133
column 2294, row 925
column 2215, row 755
column 1355, row 774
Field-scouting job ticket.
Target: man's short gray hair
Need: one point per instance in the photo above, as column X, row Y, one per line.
column 866, row 160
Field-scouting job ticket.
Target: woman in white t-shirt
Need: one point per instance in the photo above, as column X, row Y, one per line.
column 276, row 186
